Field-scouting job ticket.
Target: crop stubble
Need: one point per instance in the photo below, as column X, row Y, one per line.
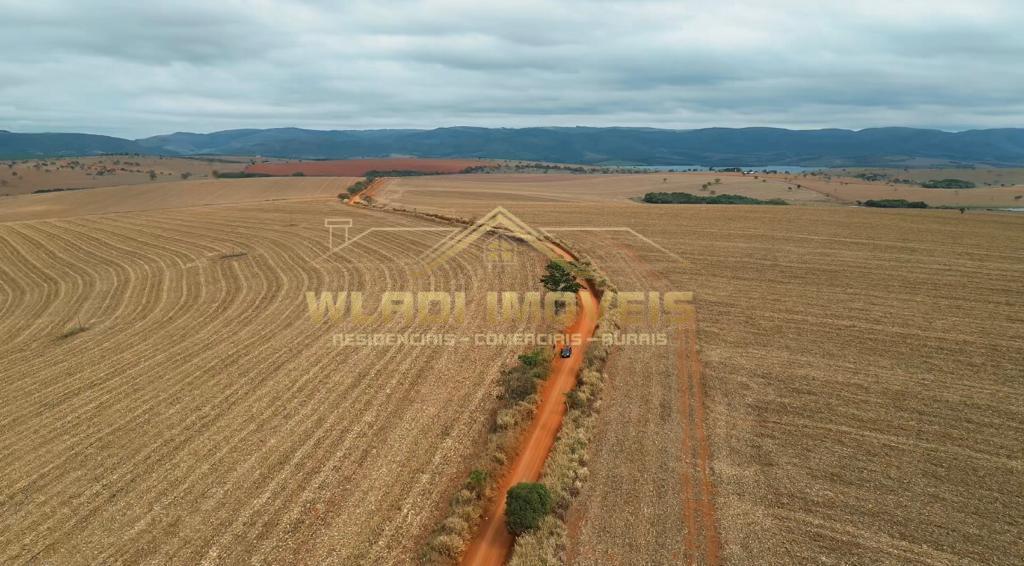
column 201, row 416
column 863, row 372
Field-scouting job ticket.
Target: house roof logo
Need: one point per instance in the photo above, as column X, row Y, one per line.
column 498, row 220
column 496, row 223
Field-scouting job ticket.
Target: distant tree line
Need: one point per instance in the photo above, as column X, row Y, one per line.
column 895, row 203
column 948, row 184
column 687, row 198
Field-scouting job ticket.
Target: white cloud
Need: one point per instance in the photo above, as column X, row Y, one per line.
column 137, row 69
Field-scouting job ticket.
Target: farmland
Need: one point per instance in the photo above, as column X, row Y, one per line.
column 167, row 399
column 27, row 176
column 156, row 196
column 861, row 373
column 359, row 167
column 848, row 391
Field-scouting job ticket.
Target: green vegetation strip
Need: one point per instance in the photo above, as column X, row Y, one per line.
column 687, row 198
column 948, row 184
column 895, row 203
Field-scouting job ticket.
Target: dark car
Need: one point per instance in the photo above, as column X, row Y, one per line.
column 566, row 351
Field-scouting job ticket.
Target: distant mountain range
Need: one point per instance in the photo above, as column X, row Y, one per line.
column 609, row 146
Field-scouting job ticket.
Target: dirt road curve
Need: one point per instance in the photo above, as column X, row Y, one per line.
column 368, row 191
column 492, row 542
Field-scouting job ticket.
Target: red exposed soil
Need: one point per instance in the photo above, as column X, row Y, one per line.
column 492, row 542
column 359, row 167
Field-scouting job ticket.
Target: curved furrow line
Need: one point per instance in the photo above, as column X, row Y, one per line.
column 135, row 270
column 15, row 299
column 95, row 386
column 299, row 489
column 328, row 405
column 300, row 393
column 37, row 278
column 110, row 350
column 129, row 422
column 304, row 494
column 268, row 416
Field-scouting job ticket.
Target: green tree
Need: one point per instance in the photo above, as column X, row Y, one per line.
column 525, row 506
column 559, row 278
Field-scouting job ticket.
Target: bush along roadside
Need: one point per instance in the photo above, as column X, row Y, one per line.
column 518, row 386
column 566, row 470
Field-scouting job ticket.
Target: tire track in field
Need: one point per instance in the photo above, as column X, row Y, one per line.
column 701, row 544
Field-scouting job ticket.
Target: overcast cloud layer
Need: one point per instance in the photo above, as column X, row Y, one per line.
column 135, row 69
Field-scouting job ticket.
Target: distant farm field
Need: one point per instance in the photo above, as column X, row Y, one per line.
column 166, row 398
column 23, row 177
column 156, row 196
column 359, row 167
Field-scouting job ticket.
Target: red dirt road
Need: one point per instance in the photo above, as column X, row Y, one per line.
column 367, row 192
column 360, row 167
column 492, row 543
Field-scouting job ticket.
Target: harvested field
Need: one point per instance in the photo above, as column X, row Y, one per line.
column 432, row 193
column 195, row 413
column 23, row 177
column 359, row 167
column 850, row 190
column 157, row 196
column 981, row 176
column 862, row 375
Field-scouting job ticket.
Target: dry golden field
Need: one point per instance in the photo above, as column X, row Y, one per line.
column 433, row 194
column 850, row 190
column 166, row 398
column 863, row 373
column 23, row 177
column 981, row 176
column 155, row 196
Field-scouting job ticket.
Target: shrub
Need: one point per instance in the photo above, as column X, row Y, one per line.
column 478, row 481
column 559, row 278
column 517, row 384
column 543, row 547
column 450, row 546
column 533, row 359
column 525, row 506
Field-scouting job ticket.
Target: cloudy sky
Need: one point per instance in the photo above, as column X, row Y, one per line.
column 136, row 68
